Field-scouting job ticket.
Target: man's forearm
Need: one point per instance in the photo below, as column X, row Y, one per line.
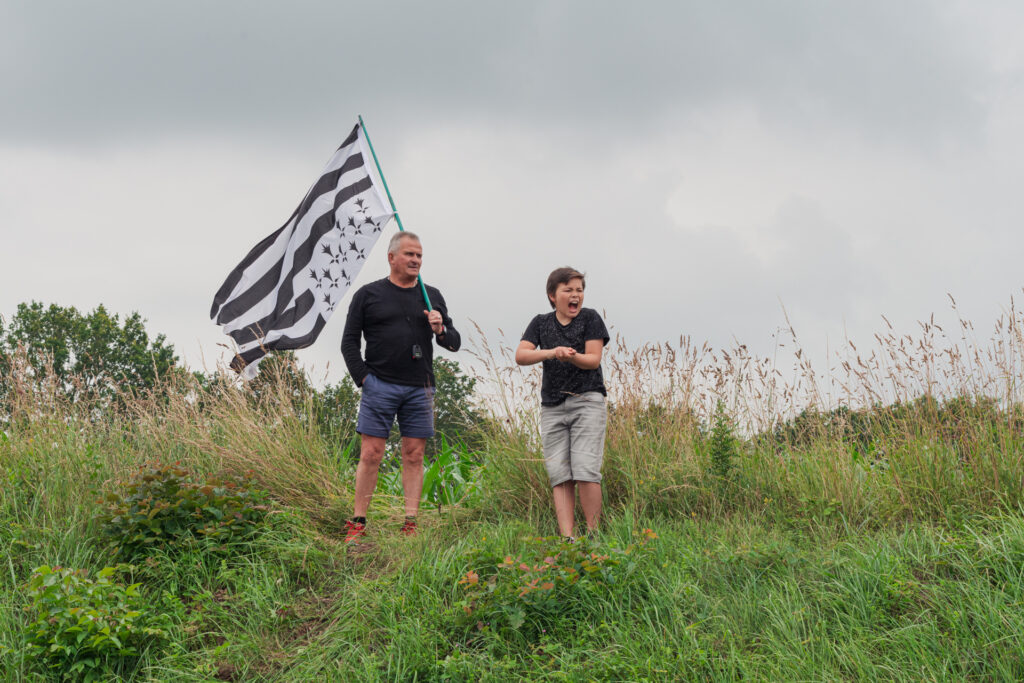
column 357, row 368
column 352, row 353
column 449, row 339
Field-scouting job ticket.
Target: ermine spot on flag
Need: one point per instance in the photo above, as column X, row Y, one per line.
column 282, row 293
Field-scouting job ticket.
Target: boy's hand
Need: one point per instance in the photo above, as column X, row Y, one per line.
column 564, row 353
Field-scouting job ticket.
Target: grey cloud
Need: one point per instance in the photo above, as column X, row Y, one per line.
column 96, row 70
column 818, row 265
column 891, row 70
column 716, row 283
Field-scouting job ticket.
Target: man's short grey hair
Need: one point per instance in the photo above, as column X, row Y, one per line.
column 397, row 238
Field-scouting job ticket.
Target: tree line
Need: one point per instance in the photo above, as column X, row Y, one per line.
column 106, row 359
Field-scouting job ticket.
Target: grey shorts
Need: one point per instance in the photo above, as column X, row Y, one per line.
column 572, row 435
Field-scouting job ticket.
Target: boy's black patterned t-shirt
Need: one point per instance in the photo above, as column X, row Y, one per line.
column 562, row 379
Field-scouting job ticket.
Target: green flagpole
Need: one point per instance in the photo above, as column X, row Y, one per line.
column 423, row 288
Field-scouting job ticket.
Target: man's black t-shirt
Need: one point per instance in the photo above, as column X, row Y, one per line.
column 562, row 379
column 392, row 320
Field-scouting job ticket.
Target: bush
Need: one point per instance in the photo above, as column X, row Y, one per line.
column 335, row 408
column 456, row 416
column 83, row 627
column 964, row 422
column 532, row 593
column 163, row 506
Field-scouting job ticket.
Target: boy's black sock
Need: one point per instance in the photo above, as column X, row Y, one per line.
column 359, row 520
column 410, row 518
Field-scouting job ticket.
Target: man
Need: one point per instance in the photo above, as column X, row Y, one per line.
column 397, row 375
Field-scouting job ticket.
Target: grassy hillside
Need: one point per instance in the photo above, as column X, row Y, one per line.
column 773, row 537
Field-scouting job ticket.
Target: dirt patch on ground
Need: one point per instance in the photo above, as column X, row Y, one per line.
column 308, row 619
column 362, row 556
column 226, row 672
column 305, row 622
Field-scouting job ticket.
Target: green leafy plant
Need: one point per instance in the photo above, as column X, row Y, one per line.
column 531, row 592
column 164, row 505
column 722, row 445
column 84, row 626
column 448, row 476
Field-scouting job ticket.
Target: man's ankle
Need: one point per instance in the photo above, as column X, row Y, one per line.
column 409, row 527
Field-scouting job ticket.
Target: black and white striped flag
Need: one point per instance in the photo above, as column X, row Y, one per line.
column 282, row 293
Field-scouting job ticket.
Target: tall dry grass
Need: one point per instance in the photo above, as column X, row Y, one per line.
column 221, row 426
column 272, row 437
column 926, row 426
column 917, row 426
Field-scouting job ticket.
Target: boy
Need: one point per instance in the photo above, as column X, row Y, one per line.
column 569, row 342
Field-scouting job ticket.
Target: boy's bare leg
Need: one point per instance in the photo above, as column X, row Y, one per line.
column 412, row 473
column 370, row 453
column 565, row 506
column 590, row 500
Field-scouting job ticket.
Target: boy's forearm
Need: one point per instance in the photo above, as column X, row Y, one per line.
column 586, row 361
column 532, row 356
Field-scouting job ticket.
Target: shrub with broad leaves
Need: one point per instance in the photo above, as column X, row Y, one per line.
column 84, row 627
column 167, row 506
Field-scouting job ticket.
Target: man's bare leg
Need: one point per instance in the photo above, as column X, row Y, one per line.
column 565, row 506
column 412, row 473
column 371, row 452
column 590, row 500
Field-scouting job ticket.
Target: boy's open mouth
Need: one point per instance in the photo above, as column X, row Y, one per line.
column 574, row 306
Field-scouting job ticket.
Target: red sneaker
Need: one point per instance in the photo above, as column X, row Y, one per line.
column 409, row 528
column 354, row 530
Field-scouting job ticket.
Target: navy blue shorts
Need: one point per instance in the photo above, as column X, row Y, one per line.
column 382, row 401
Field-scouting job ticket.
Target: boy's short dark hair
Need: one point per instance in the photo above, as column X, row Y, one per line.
column 561, row 276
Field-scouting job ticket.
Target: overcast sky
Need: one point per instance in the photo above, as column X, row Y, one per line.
column 705, row 163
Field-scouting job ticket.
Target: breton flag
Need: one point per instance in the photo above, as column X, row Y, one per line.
column 282, row 293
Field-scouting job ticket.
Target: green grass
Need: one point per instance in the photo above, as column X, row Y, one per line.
column 735, row 597
column 724, row 600
column 893, row 554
